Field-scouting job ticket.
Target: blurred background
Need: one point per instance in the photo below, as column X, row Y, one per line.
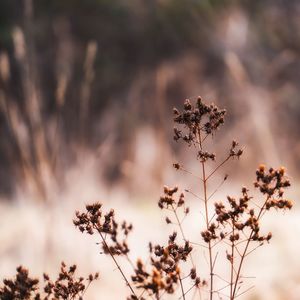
column 86, row 96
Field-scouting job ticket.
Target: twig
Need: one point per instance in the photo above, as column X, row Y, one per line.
column 245, row 251
column 181, row 286
column 218, row 167
column 116, row 263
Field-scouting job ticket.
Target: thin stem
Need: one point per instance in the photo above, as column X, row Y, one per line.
column 189, row 172
column 222, row 288
column 228, row 283
column 253, row 249
column 204, row 181
column 237, row 250
column 116, row 263
column 88, row 285
column 218, row 167
column 245, row 252
column 188, row 191
column 250, row 288
column 211, row 195
column 182, row 233
column 130, row 262
column 221, row 240
column 188, row 290
column 178, row 222
column 181, row 286
column 211, row 219
column 215, row 260
column 231, row 262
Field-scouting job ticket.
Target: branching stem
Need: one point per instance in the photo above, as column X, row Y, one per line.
column 244, row 254
column 116, row 263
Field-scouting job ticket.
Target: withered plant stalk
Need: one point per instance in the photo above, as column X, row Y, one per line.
column 204, row 182
column 116, row 263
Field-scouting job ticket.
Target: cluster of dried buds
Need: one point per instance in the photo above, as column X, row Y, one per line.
column 204, row 155
column 240, row 216
column 224, row 215
column 209, row 234
column 271, row 181
column 198, row 118
column 22, row 287
column 234, row 150
column 66, row 286
column 165, row 273
column 237, row 208
column 95, row 220
column 167, row 201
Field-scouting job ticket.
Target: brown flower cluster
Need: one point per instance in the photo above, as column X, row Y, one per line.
column 209, row 234
column 205, row 155
column 66, row 286
column 22, row 287
column 165, row 273
column 224, row 215
column 240, row 216
column 201, row 117
column 168, row 200
column 271, row 182
column 95, row 220
column 234, row 150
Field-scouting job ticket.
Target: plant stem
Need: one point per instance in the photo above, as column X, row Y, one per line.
column 245, row 253
column 182, row 233
column 116, row 263
column 182, row 290
column 231, row 262
column 204, row 180
column 218, row 167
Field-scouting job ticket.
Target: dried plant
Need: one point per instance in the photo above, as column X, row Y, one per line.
column 66, row 286
column 93, row 220
column 231, row 231
column 234, row 225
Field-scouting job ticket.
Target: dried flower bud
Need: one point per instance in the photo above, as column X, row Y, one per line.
column 176, row 166
column 187, row 105
column 175, row 111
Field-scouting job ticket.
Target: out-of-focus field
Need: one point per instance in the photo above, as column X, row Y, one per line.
column 86, row 96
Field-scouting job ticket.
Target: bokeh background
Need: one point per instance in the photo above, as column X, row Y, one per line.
column 86, row 96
